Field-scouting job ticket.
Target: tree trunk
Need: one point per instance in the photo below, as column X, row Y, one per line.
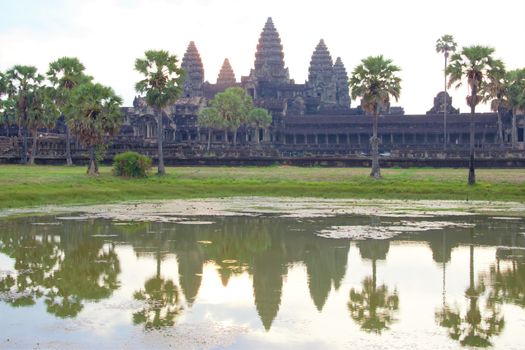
column 33, row 147
column 23, row 159
column 92, row 168
column 257, row 135
column 160, row 138
column 445, row 108
column 69, row 161
column 499, row 135
column 6, row 129
column 235, row 137
column 209, row 140
column 96, row 162
column 226, row 136
column 374, row 144
column 471, row 168
column 513, row 133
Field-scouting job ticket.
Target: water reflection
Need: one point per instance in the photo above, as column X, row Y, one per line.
column 64, row 271
column 508, row 283
column 160, row 297
column 373, row 307
column 67, row 263
column 479, row 323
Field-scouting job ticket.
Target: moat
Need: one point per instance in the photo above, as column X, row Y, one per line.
column 263, row 277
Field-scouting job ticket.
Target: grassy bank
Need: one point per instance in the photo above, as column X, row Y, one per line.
column 31, row 186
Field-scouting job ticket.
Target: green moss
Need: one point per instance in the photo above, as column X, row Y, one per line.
column 38, row 185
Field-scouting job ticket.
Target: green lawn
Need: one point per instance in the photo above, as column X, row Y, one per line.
column 31, row 186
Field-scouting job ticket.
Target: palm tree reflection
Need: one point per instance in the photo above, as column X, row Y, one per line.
column 476, row 326
column 373, row 307
column 161, row 298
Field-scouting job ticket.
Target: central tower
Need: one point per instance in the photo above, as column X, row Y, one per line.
column 269, row 57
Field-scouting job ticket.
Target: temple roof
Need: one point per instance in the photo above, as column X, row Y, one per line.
column 226, row 75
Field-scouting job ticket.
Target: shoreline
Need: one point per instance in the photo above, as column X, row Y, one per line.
column 184, row 211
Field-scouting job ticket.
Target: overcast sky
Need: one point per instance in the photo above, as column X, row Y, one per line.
column 108, row 35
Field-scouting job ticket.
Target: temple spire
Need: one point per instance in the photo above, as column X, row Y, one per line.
column 192, row 64
column 321, row 74
column 269, row 57
column 226, row 74
column 341, row 84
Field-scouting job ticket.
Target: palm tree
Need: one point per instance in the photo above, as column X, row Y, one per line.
column 94, row 114
column 65, row 74
column 3, row 85
column 476, row 64
column 375, row 81
column 516, row 94
column 496, row 93
column 7, row 107
column 445, row 45
column 259, row 118
column 20, row 84
column 162, row 83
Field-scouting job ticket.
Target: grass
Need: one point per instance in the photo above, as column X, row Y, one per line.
column 39, row 185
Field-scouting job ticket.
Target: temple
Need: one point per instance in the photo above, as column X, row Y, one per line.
column 313, row 122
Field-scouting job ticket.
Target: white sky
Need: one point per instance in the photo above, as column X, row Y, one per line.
column 108, row 35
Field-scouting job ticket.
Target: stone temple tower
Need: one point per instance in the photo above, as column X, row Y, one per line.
column 192, row 64
column 269, row 58
column 342, row 92
column 226, row 75
column 321, row 77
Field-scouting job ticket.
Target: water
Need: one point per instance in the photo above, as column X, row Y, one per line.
column 262, row 282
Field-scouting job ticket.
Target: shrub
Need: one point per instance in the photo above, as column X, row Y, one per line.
column 131, row 164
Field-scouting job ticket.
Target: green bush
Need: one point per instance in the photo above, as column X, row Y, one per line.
column 131, row 164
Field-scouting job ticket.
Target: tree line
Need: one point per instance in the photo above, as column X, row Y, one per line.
column 376, row 81
column 92, row 113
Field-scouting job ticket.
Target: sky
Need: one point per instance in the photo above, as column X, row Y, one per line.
column 108, row 35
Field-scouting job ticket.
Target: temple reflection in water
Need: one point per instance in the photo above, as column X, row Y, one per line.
column 68, row 263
